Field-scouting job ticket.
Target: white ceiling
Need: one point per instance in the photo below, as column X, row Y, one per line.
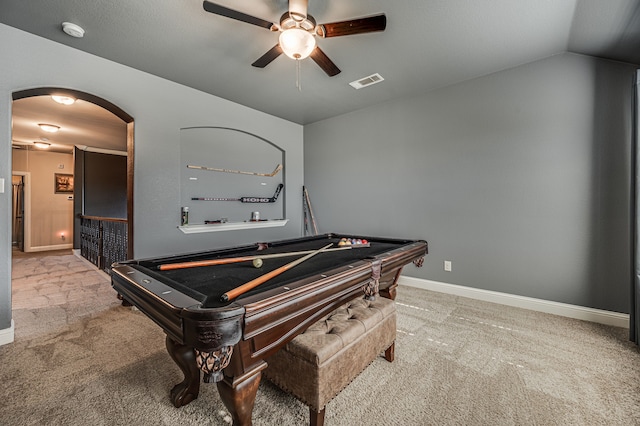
column 82, row 124
column 427, row 44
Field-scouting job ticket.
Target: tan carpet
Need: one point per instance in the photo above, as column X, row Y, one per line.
column 458, row 362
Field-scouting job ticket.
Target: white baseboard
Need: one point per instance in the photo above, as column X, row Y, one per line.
column 7, row 335
column 49, row 248
column 599, row 316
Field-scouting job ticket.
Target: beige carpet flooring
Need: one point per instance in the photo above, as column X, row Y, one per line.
column 79, row 358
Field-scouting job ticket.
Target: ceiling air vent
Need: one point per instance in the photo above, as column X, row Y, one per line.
column 367, row 81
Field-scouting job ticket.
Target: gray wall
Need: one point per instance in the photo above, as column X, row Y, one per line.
column 160, row 109
column 520, row 178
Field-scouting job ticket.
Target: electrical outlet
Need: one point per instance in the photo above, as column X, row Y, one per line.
column 447, row 265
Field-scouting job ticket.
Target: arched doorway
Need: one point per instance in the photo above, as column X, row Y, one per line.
column 119, row 113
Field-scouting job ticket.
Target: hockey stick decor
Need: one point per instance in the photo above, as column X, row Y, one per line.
column 308, row 210
column 245, row 199
column 213, row 169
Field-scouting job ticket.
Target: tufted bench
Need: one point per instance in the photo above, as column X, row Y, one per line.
column 317, row 364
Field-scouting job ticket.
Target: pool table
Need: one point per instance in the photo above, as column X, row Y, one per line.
column 230, row 340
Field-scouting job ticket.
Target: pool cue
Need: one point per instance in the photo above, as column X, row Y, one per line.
column 238, row 291
column 213, row 169
column 228, row 260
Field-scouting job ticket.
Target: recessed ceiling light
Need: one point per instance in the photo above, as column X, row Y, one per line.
column 42, row 145
column 64, row 100
column 73, row 30
column 51, row 128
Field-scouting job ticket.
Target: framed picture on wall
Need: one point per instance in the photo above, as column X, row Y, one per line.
column 64, row 183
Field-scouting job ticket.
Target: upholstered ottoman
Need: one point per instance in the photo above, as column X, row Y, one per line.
column 316, row 365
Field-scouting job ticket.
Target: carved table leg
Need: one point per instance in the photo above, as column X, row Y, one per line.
column 391, row 291
column 187, row 390
column 239, row 395
column 125, row 302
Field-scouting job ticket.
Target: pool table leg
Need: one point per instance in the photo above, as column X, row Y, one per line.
column 391, row 291
column 239, row 394
column 187, row 390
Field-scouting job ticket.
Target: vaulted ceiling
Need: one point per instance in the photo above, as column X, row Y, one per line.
column 427, row 44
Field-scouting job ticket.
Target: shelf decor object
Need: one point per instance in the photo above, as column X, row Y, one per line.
column 232, row 226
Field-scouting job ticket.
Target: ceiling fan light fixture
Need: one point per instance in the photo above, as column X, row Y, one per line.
column 298, row 9
column 63, row 99
column 50, row 128
column 297, row 43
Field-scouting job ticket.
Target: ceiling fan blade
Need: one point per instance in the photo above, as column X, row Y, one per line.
column 266, row 59
column 234, row 14
column 355, row 26
column 298, row 9
column 324, row 62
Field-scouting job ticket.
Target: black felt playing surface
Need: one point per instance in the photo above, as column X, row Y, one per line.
column 207, row 284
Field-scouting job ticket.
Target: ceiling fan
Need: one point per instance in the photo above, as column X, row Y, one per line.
column 298, row 31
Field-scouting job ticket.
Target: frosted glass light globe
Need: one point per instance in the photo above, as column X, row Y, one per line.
column 297, row 43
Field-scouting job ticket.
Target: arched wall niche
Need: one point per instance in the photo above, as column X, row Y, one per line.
column 225, row 162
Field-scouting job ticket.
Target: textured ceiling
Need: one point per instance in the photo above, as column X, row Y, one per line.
column 427, row 44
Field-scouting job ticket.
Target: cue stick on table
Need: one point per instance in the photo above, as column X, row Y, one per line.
column 227, row 260
column 238, row 291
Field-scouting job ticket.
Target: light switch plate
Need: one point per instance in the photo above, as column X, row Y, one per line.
column 1, row 185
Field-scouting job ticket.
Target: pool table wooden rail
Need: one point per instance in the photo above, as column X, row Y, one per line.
column 270, row 322
column 179, row 315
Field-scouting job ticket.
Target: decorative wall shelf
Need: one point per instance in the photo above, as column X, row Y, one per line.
column 232, row 226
